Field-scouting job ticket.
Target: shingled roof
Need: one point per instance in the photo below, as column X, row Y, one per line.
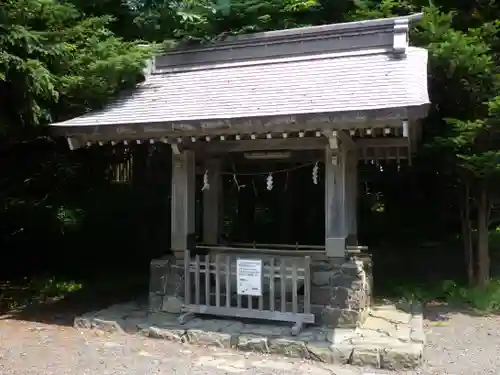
column 357, row 66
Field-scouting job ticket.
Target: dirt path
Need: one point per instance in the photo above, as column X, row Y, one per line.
column 461, row 343
column 458, row 343
column 28, row 348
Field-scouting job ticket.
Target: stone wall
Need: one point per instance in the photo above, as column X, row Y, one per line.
column 341, row 290
column 166, row 285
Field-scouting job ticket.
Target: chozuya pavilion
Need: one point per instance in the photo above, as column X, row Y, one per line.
column 328, row 96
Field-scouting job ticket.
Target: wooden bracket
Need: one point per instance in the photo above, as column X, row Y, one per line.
column 347, row 140
column 332, row 137
column 73, row 143
column 175, row 148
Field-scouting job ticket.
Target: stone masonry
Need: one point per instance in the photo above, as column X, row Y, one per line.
column 166, row 285
column 392, row 337
column 341, row 290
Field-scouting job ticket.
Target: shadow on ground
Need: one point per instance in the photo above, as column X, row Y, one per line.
column 442, row 312
column 61, row 308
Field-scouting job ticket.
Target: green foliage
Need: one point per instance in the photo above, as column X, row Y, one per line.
column 483, row 299
column 56, row 63
column 32, row 291
column 370, row 9
column 477, row 142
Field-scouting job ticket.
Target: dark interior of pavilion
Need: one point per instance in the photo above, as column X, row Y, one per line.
column 270, row 201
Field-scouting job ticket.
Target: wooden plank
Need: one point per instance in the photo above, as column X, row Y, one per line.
column 295, row 292
column 197, row 279
column 228, row 281
column 187, row 276
column 217, row 280
column 257, row 250
column 238, row 301
column 383, row 142
column 223, row 147
column 352, row 195
column 212, row 201
column 334, row 202
column 246, row 313
column 307, row 285
column 346, row 139
column 343, row 120
column 272, row 295
column 183, row 199
column 294, row 247
column 283, row 284
column 207, row 279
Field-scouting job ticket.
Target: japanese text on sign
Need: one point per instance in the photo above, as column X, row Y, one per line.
column 249, row 277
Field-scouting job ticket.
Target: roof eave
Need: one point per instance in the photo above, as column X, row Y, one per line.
column 355, row 118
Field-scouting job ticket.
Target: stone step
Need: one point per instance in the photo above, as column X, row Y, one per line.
column 389, row 339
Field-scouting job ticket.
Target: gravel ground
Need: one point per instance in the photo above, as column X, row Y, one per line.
column 458, row 343
column 461, row 343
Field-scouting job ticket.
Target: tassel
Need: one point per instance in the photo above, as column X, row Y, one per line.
column 269, row 182
column 315, row 174
column 206, row 185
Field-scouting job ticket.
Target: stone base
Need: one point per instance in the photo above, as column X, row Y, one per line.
column 389, row 338
column 166, row 285
column 342, row 290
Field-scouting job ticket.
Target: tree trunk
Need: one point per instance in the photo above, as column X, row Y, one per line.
column 483, row 257
column 467, row 235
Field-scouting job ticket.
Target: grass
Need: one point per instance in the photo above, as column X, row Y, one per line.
column 482, row 299
column 93, row 292
column 19, row 294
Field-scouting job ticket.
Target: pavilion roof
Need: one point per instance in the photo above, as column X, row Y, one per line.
column 354, row 67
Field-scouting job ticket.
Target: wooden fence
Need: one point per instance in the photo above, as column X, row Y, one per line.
column 211, row 286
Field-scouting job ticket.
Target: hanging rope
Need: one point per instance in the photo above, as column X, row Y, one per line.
column 269, row 174
column 266, row 173
column 235, row 180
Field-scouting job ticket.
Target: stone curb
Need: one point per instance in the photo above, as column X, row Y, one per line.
column 397, row 357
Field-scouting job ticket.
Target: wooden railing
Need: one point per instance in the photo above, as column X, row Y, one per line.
column 211, row 285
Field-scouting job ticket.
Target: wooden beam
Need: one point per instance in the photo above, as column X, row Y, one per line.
column 183, row 200
column 145, row 132
column 212, row 203
column 222, row 147
column 74, row 143
column 352, row 197
column 335, row 173
column 346, row 139
column 383, row 142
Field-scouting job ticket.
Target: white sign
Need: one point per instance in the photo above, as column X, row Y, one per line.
column 249, row 277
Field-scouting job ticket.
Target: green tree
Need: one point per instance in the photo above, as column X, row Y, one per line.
column 465, row 83
column 56, row 63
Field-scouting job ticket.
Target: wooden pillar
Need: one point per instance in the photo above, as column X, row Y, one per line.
column 352, row 197
column 183, row 201
column 335, row 203
column 212, row 203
